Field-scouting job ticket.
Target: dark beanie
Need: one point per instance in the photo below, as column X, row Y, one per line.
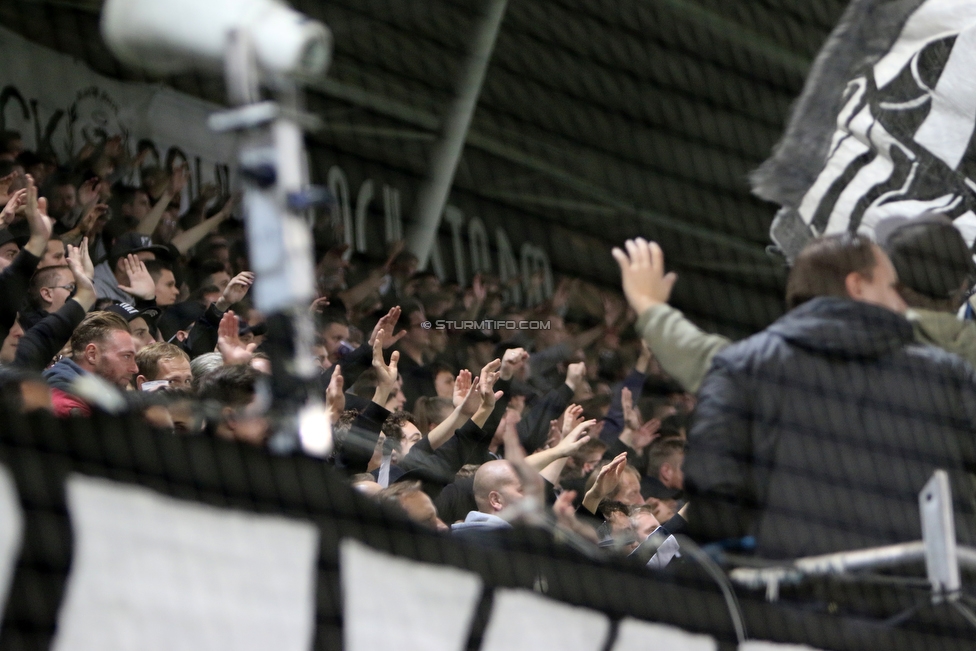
column 928, row 253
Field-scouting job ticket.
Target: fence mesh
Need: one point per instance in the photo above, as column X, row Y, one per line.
column 757, row 430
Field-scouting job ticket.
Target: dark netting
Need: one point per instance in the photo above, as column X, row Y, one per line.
column 41, row 453
column 716, row 256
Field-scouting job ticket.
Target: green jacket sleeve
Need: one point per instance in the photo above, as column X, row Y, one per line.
column 683, row 350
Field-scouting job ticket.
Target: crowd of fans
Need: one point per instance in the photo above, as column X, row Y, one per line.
column 814, row 435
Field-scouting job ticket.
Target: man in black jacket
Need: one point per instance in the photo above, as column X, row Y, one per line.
column 816, row 435
column 15, row 277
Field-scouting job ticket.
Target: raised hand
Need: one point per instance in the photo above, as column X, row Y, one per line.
column 471, row 401
column 86, row 262
column 555, row 434
column 318, row 305
column 561, row 296
column 395, row 250
column 606, row 482
column 236, row 290
column 572, row 417
column 88, row 191
column 462, row 387
column 632, row 419
column 489, row 375
column 513, row 361
column 644, row 359
column 207, row 193
column 575, row 439
column 576, row 375
column 84, row 288
column 15, row 202
column 642, row 274
column 335, row 397
column 94, row 211
column 41, row 226
column 228, row 207
column 5, row 183
column 646, row 433
column 386, row 325
column 479, row 289
column 177, row 180
column 229, row 341
column 386, row 374
column 141, row 284
column 510, row 439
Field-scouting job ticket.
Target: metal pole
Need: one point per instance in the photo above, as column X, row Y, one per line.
column 447, row 150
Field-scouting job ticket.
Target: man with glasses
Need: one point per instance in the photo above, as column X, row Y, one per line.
column 49, row 289
column 163, row 367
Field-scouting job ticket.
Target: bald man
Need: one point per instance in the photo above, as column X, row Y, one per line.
column 496, row 486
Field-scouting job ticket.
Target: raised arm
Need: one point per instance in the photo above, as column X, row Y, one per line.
column 550, row 462
column 42, row 342
column 606, row 482
column 386, row 374
column 681, row 348
column 465, row 406
column 147, row 225
column 571, row 419
column 41, row 226
column 190, row 237
column 486, row 388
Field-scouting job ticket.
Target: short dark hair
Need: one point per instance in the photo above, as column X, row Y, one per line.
column 231, row 386
column 408, row 308
column 127, row 193
column 42, row 278
column 822, row 267
column 660, row 451
column 156, row 267
column 588, row 448
column 393, row 493
column 329, row 316
column 204, row 269
column 431, row 411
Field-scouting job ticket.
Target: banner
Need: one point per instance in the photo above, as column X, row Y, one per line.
column 59, row 105
column 884, row 126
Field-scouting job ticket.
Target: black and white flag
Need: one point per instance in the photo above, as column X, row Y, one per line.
column 884, row 126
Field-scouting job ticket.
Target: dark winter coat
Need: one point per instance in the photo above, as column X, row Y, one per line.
column 817, row 434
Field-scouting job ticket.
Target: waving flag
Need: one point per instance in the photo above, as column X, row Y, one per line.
column 884, row 126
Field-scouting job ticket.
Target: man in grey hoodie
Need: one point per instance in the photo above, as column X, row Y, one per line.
column 496, row 486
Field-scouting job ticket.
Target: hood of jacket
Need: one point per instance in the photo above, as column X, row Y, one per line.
column 840, row 327
column 946, row 331
column 476, row 520
column 62, row 374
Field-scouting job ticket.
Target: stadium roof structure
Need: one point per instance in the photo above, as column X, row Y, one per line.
column 597, row 121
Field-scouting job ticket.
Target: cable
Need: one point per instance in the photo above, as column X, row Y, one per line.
column 710, row 566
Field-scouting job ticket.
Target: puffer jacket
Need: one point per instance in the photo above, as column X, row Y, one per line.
column 817, row 435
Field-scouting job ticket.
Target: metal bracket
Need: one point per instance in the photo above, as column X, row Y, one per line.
column 938, row 547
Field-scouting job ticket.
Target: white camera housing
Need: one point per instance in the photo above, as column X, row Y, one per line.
column 171, row 36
